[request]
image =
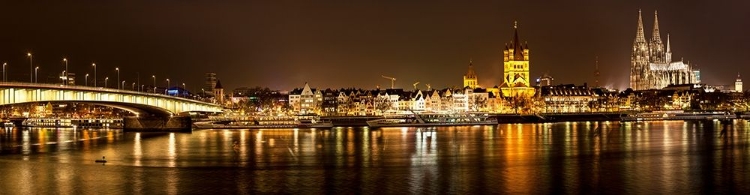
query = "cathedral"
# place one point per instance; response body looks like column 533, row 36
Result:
column 516, row 69
column 651, row 65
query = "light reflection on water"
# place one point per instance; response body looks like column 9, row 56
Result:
column 661, row 157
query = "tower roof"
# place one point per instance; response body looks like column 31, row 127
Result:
column 656, row 37
column 516, row 44
column 640, row 37
column 218, row 85
column 470, row 73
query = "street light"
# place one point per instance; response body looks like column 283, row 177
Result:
column 133, row 86
column 142, row 87
column 166, row 92
column 36, row 71
column 63, row 78
column 105, row 81
column 87, row 79
column 118, row 76
column 31, row 60
column 154, row 76
column 204, row 92
column 66, row 71
column 4, row 64
column 94, row 65
column 122, row 85
column 183, row 88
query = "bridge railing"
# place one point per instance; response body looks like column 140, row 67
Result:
column 96, row 89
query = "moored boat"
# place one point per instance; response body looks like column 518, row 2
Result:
column 266, row 122
column 677, row 115
column 433, row 119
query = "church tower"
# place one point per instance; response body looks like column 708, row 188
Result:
column 738, row 83
column 470, row 79
column 516, row 68
column 639, row 59
column 219, row 92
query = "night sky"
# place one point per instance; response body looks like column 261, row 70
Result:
column 282, row 44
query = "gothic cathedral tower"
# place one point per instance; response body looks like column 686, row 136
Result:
column 639, row 68
column 470, row 79
column 516, row 68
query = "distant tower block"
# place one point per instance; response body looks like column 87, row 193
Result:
column 210, row 82
column 470, row 79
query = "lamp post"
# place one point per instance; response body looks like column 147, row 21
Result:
column 142, row 87
column 87, row 80
column 118, row 76
column 36, row 77
column 166, row 92
column 63, row 78
column 31, row 62
column 183, row 88
column 122, row 85
column 105, row 81
column 4, row 64
column 66, row 71
column 204, row 92
column 133, row 86
column 154, row 76
column 94, row 65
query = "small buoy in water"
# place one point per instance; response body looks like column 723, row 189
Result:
column 101, row 160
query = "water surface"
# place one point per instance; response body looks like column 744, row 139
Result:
column 570, row 157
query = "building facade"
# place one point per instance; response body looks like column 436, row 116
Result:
column 516, row 69
column 651, row 65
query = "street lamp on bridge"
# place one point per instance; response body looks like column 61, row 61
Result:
column 66, row 71
column 122, row 85
column 4, row 64
column 94, row 65
column 36, row 75
column 31, row 60
column 105, row 81
column 183, row 89
column 166, row 92
column 154, row 76
column 118, row 76
column 87, row 79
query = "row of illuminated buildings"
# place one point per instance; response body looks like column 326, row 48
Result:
column 657, row 83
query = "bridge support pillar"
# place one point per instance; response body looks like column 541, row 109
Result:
column 175, row 123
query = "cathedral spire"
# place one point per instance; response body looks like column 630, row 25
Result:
column 640, row 37
column 669, row 47
column 656, row 37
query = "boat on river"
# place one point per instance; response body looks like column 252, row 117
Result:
column 74, row 122
column 678, row 115
column 265, row 122
column 434, row 119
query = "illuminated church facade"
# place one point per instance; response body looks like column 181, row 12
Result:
column 651, row 65
column 516, row 69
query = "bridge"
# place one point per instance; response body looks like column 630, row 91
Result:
column 140, row 103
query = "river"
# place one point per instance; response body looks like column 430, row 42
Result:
column 665, row 157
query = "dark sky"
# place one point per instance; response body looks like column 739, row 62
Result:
column 282, row 44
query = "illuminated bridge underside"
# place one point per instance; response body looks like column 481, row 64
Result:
column 136, row 102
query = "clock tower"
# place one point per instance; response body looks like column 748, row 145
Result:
column 516, row 68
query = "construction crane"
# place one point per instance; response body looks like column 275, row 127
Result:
column 415, row 85
column 390, row 78
column 428, row 86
